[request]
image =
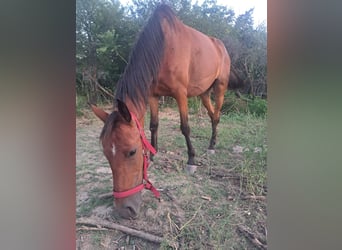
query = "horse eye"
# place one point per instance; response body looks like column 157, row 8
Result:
column 131, row 153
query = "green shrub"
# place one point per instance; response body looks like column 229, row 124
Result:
column 258, row 106
column 233, row 104
column 194, row 104
column 81, row 103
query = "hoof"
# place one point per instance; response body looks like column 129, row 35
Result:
column 211, row 151
column 190, row 169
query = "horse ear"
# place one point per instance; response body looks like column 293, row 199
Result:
column 103, row 115
column 123, row 110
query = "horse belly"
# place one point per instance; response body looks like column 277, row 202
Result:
column 204, row 69
column 199, row 86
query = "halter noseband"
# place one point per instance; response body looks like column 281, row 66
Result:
column 147, row 184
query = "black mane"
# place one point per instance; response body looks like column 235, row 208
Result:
column 145, row 59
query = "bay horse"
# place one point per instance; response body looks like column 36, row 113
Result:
column 168, row 59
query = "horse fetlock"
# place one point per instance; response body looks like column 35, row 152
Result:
column 154, row 127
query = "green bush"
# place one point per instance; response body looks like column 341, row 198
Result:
column 233, row 104
column 81, row 103
column 258, row 106
column 194, row 104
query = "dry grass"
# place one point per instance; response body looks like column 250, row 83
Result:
column 202, row 211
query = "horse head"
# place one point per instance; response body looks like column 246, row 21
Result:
column 123, row 149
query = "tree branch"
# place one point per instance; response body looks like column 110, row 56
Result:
column 254, row 197
column 107, row 224
column 100, row 86
column 106, row 195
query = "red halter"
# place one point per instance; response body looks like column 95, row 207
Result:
column 147, row 185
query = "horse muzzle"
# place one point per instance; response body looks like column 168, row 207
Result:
column 129, row 207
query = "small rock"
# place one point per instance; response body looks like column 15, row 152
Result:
column 211, row 151
column 82, row 197
column 190, row 169
column 149, row 212
column 238, row 149
column 257, row 150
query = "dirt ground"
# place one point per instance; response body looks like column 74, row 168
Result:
column 212, row 209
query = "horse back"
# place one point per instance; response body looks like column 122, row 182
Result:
column 192, row 61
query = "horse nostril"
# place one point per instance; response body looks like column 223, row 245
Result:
column 129, row 207
column 131, row 212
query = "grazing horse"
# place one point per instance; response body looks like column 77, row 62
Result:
column 168, row 59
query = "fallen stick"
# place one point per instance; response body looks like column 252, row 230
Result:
column 102, row 223
column 208, row 198
column 252, row 238
column 106, row 195
column 84, row 228
column 254, row 197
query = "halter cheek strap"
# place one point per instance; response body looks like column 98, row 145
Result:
column 146, row 183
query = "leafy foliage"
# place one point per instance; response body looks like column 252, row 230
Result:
column 232, row 104
column 99, row 26
column 106, row 32
column 81, row 103
column 253, row 105
column 258, row 107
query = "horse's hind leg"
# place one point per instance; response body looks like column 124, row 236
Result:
column 207, row 104
column 220, row 88
column 154, row 121
column 214, row 113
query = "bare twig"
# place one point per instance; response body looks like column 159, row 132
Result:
column 254, row 197
column 84, row 228
column 104, row 90
column 106, row 195
column 208, row 198
column 172, row 223
column 103, row 223
column 173, row 241
column 193, row 217
column 251, row 237
column 101, row 88
column 121, row 57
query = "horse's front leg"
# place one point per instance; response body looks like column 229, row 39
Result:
column 182, row 102
column 154, row 102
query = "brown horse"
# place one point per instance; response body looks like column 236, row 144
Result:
column 168, row 59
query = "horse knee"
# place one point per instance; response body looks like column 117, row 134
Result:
column 154, row 126
column 185, row 130
column 154, row 136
